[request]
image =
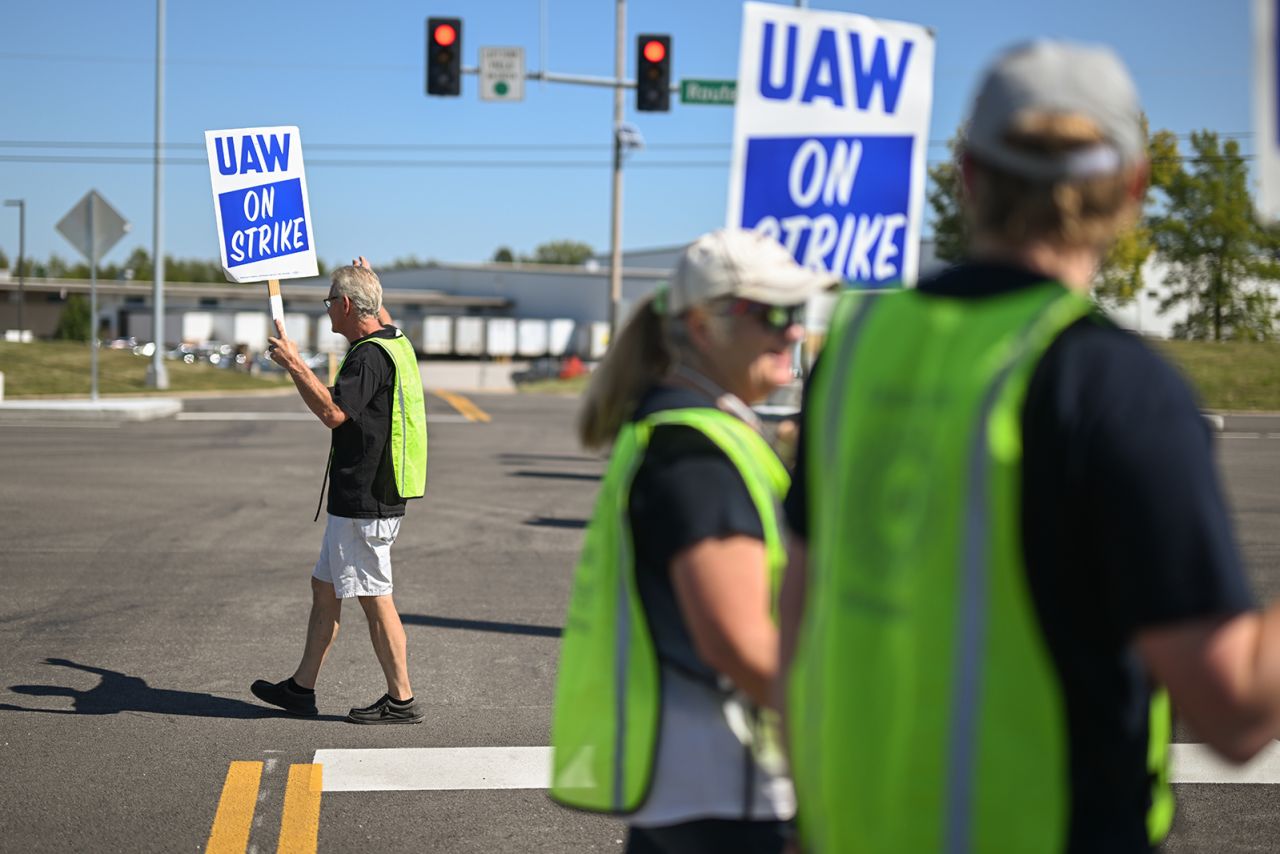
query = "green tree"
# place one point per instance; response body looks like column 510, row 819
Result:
column 408, row 262
column 1221, row 259
column 568, row 252
column 503, row 255
column 74, row 322
column 139, row 261
column 1119, row 277
column 950, row 231
column 4, row 260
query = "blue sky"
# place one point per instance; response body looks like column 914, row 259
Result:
column 351, row 77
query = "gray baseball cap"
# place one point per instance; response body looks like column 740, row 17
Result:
column 734, row 262
column 1057, row 78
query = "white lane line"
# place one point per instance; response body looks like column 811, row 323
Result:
column 1196, row 763
column 245, row 416
column 75, row 425
column 410, row 769
column 443, row 418
column 1239, row 435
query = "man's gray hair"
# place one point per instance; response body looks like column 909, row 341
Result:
column 361, row 286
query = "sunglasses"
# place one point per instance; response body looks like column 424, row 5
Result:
column 775, row 318
column 328, row 301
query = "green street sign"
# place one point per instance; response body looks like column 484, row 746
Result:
column 708, row 91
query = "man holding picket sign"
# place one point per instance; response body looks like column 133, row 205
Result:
column 378, row 449
column 378, row 460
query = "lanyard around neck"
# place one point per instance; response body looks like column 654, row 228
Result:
column 724, row 400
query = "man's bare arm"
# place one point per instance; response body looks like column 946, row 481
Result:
column 284, row 352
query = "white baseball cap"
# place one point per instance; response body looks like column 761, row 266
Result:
column 1057, row 78
column 734, row 262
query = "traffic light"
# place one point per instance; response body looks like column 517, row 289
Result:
column 444, row 56
column 653, row 74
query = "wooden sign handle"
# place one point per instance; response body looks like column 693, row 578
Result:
column 277, row 303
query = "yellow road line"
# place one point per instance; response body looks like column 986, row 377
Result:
column 465, row 407
column 300, row 824
column 230, row 834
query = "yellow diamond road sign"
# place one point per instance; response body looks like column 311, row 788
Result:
column 502, row 74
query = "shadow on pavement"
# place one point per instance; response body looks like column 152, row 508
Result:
column 517, row 458
column 120, row 692
column 548, row 522
column 480, row 625
column 557, row 475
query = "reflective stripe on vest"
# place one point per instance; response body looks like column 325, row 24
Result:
column 915, row 414
column 607, row 705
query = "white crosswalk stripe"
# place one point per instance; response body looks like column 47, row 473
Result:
column 443, row 418
column 410, row 769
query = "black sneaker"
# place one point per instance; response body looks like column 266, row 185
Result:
column 387, row 711
column 280, row 694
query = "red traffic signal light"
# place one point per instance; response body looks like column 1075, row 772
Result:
column 444, row 35
column 653, row 73
column 444, row 56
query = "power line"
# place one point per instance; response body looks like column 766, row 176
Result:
column 1170, row 71
column 108, row 160
column 400, row 164
column 114, row 145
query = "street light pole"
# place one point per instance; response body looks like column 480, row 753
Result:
column 21, row 205
column 615, row 240
column 157, row 373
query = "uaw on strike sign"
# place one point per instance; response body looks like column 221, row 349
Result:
column 260, row 200
column 830, row 134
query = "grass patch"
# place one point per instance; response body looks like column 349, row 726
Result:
column 1230, row 375
column 62, row 368
column 573, row 386
column 1227, row 375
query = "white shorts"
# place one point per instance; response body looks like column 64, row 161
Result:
column 356, row 556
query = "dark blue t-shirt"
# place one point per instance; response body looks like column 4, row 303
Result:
column 685, row 490
column 1124, row 528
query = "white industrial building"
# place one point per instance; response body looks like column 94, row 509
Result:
column 464, row 310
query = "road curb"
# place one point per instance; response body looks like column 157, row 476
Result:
column 121, row 409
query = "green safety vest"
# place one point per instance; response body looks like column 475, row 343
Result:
column 408, row 444
column 926, row 714
column 605, row 722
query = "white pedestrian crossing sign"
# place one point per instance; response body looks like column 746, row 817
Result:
column 502, row 74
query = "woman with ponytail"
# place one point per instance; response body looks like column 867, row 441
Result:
column 670, row 646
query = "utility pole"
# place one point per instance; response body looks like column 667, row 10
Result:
column 21, row 205
column 623, row 137
column 615, row 236
column 157, row 373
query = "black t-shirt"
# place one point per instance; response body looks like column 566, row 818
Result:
column 362, row 482
column 1124, row 527
column 685, row 490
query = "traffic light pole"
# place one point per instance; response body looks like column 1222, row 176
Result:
column 615, row 236
column 618, row 84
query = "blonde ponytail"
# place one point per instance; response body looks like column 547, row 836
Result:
column 639, row 357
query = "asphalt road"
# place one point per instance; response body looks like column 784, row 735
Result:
column 152, row 571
